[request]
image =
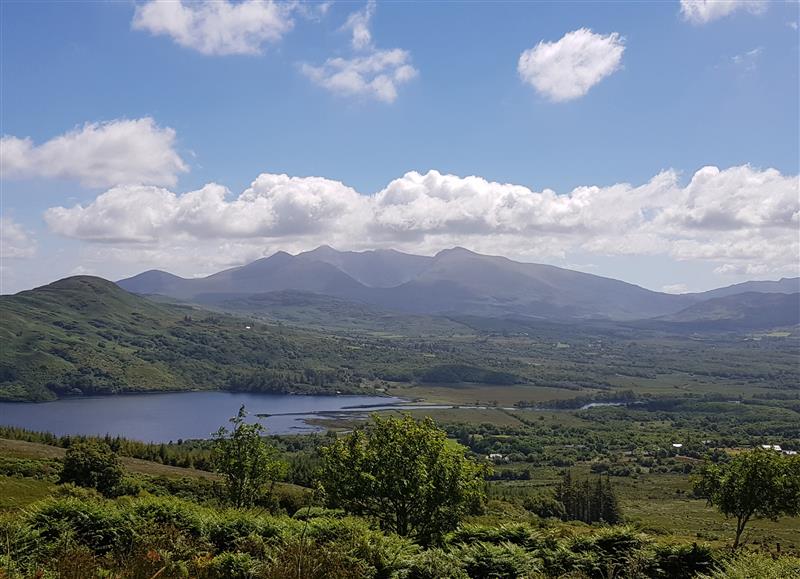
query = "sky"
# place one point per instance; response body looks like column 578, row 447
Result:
column 657, row 143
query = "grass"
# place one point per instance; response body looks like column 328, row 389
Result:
column 17, row 493
column 481, row 394
column 23, row 449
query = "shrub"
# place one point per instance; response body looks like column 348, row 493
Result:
column 485, row 561
column 755, row 565
column 94, row 465
column 99, row 526
column 234, row 566
column 433, row 564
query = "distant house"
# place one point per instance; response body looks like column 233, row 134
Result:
column 497, row 457
column 677, row 445
column 790, row 452
column 775, row 447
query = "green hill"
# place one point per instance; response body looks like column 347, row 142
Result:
column 84, row 335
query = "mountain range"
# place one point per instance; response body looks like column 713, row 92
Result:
column 459, row 282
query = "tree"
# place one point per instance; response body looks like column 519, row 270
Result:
column 406, row 474
column 583, row 502
column 92, row 464
column 759, row 483
column 249, row 465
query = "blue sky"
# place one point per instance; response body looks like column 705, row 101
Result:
column 711, row 87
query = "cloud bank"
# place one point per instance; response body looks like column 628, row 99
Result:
column 98, row 155
column 566, row 69
column 739, row 219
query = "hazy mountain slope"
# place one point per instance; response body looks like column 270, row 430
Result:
column 454, row 281
column 311, row 310
column 280, row 271
column 377, row 268
column 155, row 281
column 751, row 310
column 786, row 285
column 496, row 284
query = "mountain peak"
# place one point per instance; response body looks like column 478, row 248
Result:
column 457, row 250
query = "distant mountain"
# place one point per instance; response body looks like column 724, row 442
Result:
column 746, row 311
column 453, row 282
column 786, row 285
column 379, row 268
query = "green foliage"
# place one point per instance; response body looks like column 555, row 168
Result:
column 97, row 525
column 757, row 566
column 487, row 561
column 434, row 564
column 759, row 483
column 405, row 474
column 249, row 464
column 94, row 465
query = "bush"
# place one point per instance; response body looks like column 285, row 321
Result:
column 99, row 526
column 756, row 566
column 94, row 465
column 544, row 506
column 234, row 566
column 433, row 564
column 681, row 560
column 485, row 561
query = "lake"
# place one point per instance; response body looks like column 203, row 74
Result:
column 186, row 415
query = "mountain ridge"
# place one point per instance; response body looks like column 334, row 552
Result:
column 454, row 281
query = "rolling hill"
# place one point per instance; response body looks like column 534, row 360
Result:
column 84, row 335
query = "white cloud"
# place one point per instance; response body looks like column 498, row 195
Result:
column 15, row 241
column 98, row 154
column 677, row 288
column 374, row 73
column 217, row 27
column 704, row 11
column 741, row 216
column 566, row 69
column 377, row 75
column 358, row 24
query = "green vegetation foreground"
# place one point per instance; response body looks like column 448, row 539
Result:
column 395, row 498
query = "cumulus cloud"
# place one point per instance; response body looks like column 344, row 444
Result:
column 216, row 27
column 740, row 217
column 98, row 154
column 15, row 241
column 704, row 11
column 567, row 68
column 373, row 73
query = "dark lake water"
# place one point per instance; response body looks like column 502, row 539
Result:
column 165, row 417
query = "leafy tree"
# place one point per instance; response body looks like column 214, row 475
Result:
column 249, row 464
column 759, row 483
column 406, row 474
column 92, row 464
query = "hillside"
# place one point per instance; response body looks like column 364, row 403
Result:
column 454, row 281
column 785, row 285
column 751, row 310
column 84, row 335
